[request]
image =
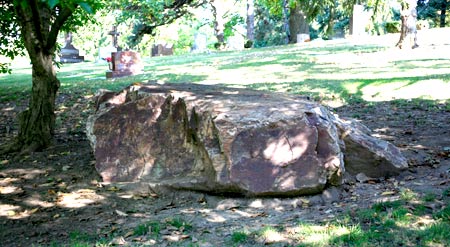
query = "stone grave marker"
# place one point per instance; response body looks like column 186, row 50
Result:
column 359, row 20
column 162, row 50
column 303, row 37
column 200, row 43
column 125, row 63
column 69, row 54
column 122, row 63
column 236, row 42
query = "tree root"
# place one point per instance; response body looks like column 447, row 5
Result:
column 19, row 149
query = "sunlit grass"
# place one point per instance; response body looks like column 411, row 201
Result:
column 339, row 73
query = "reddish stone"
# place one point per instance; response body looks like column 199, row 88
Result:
column 218, row 139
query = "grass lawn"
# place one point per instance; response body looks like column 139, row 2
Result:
column 335, row 72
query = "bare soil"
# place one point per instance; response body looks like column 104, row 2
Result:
column 55, row 197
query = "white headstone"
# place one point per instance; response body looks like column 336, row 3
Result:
column 236, row 42
column 200, row 42
column 303, row 37
column 361, row 18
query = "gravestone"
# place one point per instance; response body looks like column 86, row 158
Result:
column 114, row 34
column 125, row 63
column 162, row 50
column 200, row 43
column 359, row 20
column 122, row 63
column 303, row 37
column 105, row 53
column 236, row 42
column 69, row 54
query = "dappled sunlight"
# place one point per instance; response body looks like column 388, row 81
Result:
column 271, row 235
column 436, row 89
column 79, row 198
column 36, row 200
column 10, row 190
column 10, row 211
column 283, row 150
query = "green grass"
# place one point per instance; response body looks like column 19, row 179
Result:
column 404, row 222
column 239, row 237
column 337, row 72
column 180, row 224
column 151, row 227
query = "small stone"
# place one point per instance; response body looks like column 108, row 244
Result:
column 362, row 178
column 331, row 195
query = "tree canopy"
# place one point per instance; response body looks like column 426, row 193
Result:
column 146, row 16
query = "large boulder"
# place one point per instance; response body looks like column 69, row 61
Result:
column 217, row 139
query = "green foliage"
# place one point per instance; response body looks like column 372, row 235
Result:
column 239, row 237
column 268, row 28
column 11, row 44
column 148, row 227
column 444, row 214
column 234, row 21
column 392, row 26
column 432, row 9
column 146, row 16
column 180, row 223
column 64, row 15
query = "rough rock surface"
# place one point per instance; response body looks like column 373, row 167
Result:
column 218, row 139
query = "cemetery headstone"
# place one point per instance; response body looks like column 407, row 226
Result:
column 359, row 20
column 236, row 42
column 200, row 43
column 69, row 54
column 114, row 35
column 125, row 63
column 303, row 37
column 162, row 50
column 122, row 63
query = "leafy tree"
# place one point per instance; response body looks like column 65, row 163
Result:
column 147, row 16
column 428, row 9
column 34, row 25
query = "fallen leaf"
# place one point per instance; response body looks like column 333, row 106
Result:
column 128, row 234
column 388, row 193
column 34, row 210
column 118, row 241
column 120, row 213
column 113, row 189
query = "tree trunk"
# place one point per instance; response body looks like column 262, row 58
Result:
column 404, row 27
column 40, row 26
column 250, row 20
column 219, row 25
column 443, row 14
column 286, row 21
column 38, row 121
column 297, row 23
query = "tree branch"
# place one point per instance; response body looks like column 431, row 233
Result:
column 64, row 14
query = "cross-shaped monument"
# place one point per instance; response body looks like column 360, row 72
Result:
column 114, row 34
